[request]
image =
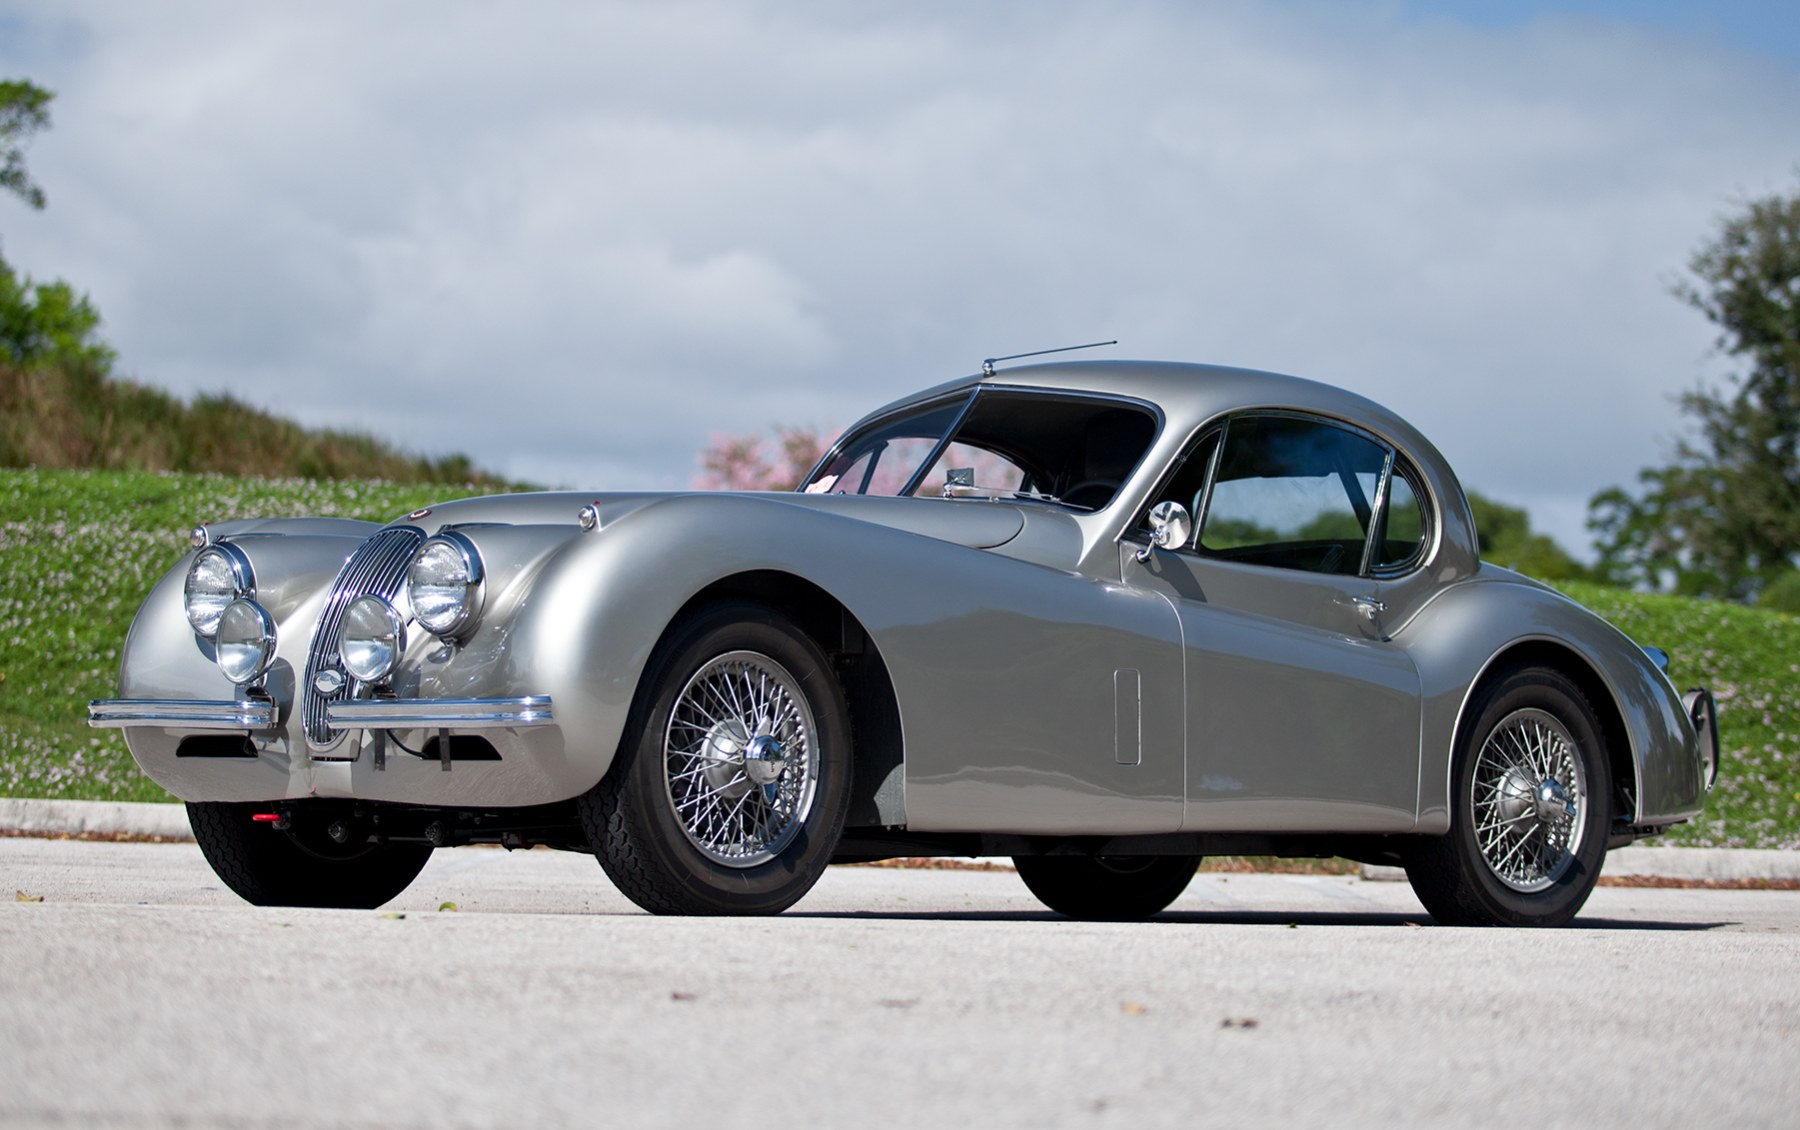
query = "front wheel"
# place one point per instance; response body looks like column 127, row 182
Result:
column 731, row 786
column 1107, row 887
column 269, row 866
column 1530, row 805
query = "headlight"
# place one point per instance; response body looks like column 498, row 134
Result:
column 219, row 575
column 246, row 642
column 372, row 639
column 443, row 584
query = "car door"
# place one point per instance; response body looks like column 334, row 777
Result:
column 1301, row 714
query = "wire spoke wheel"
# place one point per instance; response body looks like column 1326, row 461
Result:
column 1529, row 800
column 1532, row 801
column 732, row 782
column 739, row 759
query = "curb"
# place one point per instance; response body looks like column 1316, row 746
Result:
column 1637, row 861
column 140, row 821
column 123, row 819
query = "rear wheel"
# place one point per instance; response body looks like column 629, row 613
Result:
column 1107, row 887
column 1529, row 809
column 731, row 785
column 269, row 866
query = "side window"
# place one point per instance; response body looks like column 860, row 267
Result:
column 1403, row 532
column 1293, row 494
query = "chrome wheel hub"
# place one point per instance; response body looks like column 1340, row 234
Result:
column 740, row 759
column 1529, row 800
column 764, row 760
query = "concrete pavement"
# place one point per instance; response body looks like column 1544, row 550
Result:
column 123, row 820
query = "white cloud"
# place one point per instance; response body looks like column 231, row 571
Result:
column 573, row 240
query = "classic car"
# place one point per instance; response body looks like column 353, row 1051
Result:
column 1104, row 618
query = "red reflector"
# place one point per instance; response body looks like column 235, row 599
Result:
column 265, row 817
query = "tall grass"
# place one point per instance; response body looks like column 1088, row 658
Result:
column 76, row 416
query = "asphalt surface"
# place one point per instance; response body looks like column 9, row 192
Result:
column 139, row 992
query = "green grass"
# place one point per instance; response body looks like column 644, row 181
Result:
column 78, row 551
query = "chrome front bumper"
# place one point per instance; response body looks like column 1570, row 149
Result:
column 183, row 714
column 357, row 714
column 440, row 713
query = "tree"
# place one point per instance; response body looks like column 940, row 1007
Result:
column 1506, row 538
column 748, row 463
column 49, row 323
column 24, row 109
column 1724, row 518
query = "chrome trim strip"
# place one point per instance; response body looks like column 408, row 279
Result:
column 441, row 713
column 183, row 714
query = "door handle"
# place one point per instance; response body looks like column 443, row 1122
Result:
column 1369, row 606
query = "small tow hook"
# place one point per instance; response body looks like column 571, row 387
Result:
column 279, row 819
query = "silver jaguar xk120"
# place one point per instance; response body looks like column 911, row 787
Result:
column 1104, row 618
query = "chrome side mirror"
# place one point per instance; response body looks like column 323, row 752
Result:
column 1170, row 525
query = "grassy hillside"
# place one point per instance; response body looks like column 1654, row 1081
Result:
column 76, row 416
column 80, row 549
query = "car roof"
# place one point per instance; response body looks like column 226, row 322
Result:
column 1189, row 396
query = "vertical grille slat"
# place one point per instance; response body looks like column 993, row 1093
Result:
column 379, row 567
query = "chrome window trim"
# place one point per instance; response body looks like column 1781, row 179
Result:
column 1378, row 515
column 1428, row 525
column 937, row 450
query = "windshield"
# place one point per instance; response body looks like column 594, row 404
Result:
column 1076, row 450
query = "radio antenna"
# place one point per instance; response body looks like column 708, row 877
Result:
column 987, row 366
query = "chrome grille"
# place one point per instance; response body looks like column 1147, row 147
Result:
column 378, row 566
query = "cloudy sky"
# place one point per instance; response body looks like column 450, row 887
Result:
column 577, row 240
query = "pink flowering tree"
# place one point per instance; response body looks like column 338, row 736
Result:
column 755, row 462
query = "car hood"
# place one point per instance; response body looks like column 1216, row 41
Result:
column 976, row 523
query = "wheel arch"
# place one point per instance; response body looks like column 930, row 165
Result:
column 877, row 742
column 1559, row 657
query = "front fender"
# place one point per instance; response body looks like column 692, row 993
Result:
column 1472, row 627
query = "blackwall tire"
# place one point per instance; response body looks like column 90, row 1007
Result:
column 1107, row 888
column 731, row 785
column 1531, row 808
column 267, row 866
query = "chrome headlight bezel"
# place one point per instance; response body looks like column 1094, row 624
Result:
column 244, row 642
column 371, row 639
column 446, row 585
column 219, row 575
